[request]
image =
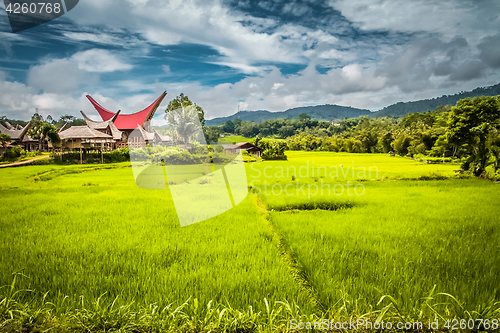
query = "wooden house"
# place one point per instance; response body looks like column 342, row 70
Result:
column 250, row 148
column 85, row 137
column 231, row 149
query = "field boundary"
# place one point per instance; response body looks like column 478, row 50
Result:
column 54, row 173
column 21, row 163
column 298, row 273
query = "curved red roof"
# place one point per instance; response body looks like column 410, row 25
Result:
column 128, row 121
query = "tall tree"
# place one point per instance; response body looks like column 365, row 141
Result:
column 71, row 120
column 237, row 125
column 303, row 117
column 4, row 139
column 211, row 134
column 184, row 101
column 471, row 122
column 228, row 126
column 41, row 130
column 494, row 144
column 184, row 121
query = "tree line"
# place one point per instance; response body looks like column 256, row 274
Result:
column 468, row 131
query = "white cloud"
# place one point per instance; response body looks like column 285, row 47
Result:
column 209, row 23
column 490, row 50
column 468, row 18
column 20, row 101
column 98, row 60
column 103, row 38
column 67, row 75
column 246, row 69
column 166, row 69
column 450, row 46
column 58, row 76
column 275, row 92
column 296, row 9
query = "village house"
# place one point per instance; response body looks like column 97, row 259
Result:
column 115, row 131
column 250, row 148
column 242, row 146
column 20, row 138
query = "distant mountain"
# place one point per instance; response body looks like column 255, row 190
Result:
column 402, row 109
column 321, row 112
column 331, row 112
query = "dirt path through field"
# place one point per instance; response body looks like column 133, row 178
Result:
column 297, row 271
column 21, row 163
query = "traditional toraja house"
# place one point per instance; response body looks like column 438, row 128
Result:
column 127, row 123
column 78, row 137
column 161, row 140
column 118, row 129
column 115, row 130
column 20, row 138
column 85, row 138
column 108, row 127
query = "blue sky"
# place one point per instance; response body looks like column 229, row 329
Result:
column 254, row 55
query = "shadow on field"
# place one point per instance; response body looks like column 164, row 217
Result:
column 332, row 206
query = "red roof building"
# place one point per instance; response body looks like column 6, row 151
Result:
column 129, row 121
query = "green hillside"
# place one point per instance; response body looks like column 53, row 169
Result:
column 402, row 109
column 332, row 112
column 320, row 112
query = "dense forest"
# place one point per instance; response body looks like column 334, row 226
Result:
column 468, row 131
column 71, row 120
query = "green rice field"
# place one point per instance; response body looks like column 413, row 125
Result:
column 233, row 138
column 323, row 234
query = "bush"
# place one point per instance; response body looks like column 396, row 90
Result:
column 433, row 176
column 43, row 161
column 269, row 157
column 222, row 158
column 247, row 157
column 428, row 159
column 14, row 153
column 178, row 156
column 169, row 155
column 118, row 155
column 174, row 156
column 272, row 149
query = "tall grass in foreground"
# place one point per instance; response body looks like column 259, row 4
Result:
column 99, row 254
column 96, row 233
column 403, row 239
column 114, row 315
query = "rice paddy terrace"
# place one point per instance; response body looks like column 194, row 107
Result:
column 322, row 235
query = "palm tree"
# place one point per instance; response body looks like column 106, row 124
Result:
column 185, row 122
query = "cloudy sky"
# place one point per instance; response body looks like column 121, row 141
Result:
column 270, row 55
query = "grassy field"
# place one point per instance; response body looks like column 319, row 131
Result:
column 328, row 233
column 233, row 139
column 96, row 232
column 401, row 239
